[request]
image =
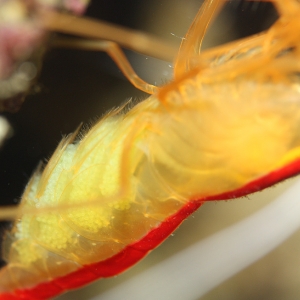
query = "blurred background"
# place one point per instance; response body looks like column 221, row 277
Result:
column 77, row 86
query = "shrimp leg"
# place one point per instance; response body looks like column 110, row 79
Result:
column 286, row 8
column 116, row 54
column 89, row 28
column 191, row 43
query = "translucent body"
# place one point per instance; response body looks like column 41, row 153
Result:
column 159, row 180
column 211, row 131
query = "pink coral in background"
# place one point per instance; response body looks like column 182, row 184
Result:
column 21, row 37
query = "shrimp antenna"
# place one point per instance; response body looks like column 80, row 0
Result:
column 191, row 44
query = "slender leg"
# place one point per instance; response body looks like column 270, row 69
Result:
column 100, row 30
column 191, row 44
column 286, row 7
column 117, row 55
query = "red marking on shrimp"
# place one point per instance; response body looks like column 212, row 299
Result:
column 261, row 183
column 109, row 267
column 136, row 251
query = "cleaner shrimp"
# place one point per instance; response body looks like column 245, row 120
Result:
column 148, row 168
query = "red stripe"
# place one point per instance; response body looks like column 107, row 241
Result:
column 261, row 183
column 110, row 267
column 135, row 252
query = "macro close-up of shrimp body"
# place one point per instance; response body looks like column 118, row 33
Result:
column 225, row 126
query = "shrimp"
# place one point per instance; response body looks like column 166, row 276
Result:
column 139, row 183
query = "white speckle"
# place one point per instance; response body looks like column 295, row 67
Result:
column 179, row 37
